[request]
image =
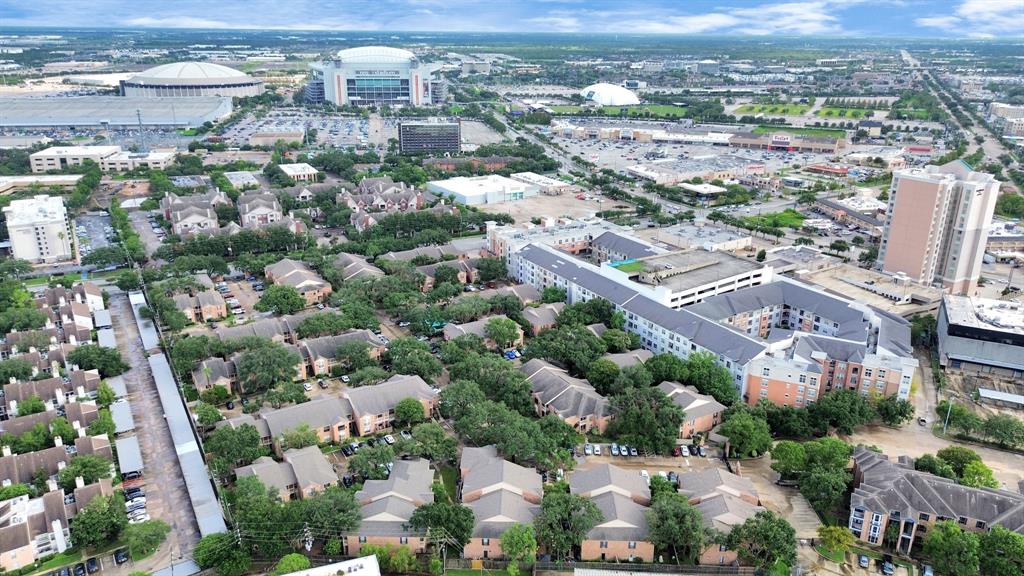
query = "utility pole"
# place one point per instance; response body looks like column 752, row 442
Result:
column 142, row 135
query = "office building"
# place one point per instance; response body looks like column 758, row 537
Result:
column 191, row 79
column 482, row 189
column 371, row 75
column 937, row 224
column 437, row 137
column 38, row 229
column 982, row 337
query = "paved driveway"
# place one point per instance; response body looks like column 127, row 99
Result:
column 166, row 496
column 145, row 230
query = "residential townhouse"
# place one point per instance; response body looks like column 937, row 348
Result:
column 329, row 416
column 543, row 317
column 373, row 407
column 22, row 468
column 205, row 306
column 573, row 400
column 436, row 253
column 479, row 328
column 500, row 494
column 258, row 209
column 466, row 268
column 212, row 372
column 321, row 354
column 300, row 276
column 353, row 266
column 303, row 473
column 34, row 528
column 84, row 292
column 54, row 392
column 629, row 358
column 386, row 506
column 78, row 414
column 893, row 493
column 524, row 293
column 189, row 214
column 622, row 497
column 702, row 411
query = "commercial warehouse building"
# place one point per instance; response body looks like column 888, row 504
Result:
column 111, row 112
column 982, row 336
column 709, row 167
column 438, row 137
column 482, row 189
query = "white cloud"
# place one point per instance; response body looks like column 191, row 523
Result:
column 797, row 18
column 556, row 24
column 979, row 18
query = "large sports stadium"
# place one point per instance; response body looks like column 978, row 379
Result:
column 187, row 79
column 378, row 75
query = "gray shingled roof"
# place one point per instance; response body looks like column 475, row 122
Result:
column 608, row 477
column 318, row 413
column 723, row 512
column 380, row 398
column 568, row 396
column 624, row 519
column 706, row 483
column 624, row 245
column 690, row 400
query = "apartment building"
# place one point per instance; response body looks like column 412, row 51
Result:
column 500, row 494
column 190, row 214
column 703, row 412
column 893, row 493
column 205, row 306
column 386, row 506
column 612, row 246
column 321, row 354
column 373, row 407
column 465, row 269
column 39, row 229
column 258, row 209
column 724, row 501
column 479, row 328
column 543, row 317
column 300, row 276
column 937, row 224
column 622, row 496
column 573, row 400
column 352, row 266
column 303, row 473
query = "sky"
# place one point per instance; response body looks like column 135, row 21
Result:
column 828, row 18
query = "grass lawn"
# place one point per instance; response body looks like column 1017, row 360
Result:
column 830, row 112
column 837, row 556
column 780, row 568
column 776, row 109
column 631, row 267
column 788, row 218
column 67, row 557
column 448, row 475
column 826, row 132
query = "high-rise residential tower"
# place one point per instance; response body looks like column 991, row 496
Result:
column 937, row 225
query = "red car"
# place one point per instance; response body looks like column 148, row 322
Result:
column 676, row 451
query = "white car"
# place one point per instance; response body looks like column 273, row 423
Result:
column 597, row 449
column 345, row 379
column 307, row 387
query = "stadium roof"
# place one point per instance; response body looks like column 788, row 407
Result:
column 114, row 111
column 191, row 73
column 609, row 95
column 375, row 54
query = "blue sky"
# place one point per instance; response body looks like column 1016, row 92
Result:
column 893, row 18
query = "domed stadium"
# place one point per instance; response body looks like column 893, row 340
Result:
column 376, row 55
column 186, row 79
column 609, row 95
column 374, row 75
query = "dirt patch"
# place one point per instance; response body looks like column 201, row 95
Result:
column 555, row 206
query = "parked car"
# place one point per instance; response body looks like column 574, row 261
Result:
column 80, row 569
column 588, row 450
column 307, row 386
column 345, row 379
column 92, row 565
column 121, row 555
column 405, row 434
column 597, row 449
column 927, row 570
column 632, row 451
column 703, row 453
column 676, row 451
column 389, row 439
column 321, row 383
column 888, row 569
column 694, row 451
column 347, row 450
column 615, row 449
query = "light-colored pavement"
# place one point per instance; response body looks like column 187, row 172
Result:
column 166, row 496
column 145, row 231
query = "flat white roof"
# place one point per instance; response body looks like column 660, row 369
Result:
column 477, row 185
column 36, row 210
column 300, row 169
column 538, row 179
column 101, row 151
column 703, row 189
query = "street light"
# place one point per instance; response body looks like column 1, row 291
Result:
column 949, row 410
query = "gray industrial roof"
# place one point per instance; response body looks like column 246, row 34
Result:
column 129, row 457
column 998, row 396
column 121, row 411
column 116, row 384
column 105, row 338
column 83, row 111
column 102, row 319
column 147, row 331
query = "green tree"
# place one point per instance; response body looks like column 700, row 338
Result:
column 824, row 488
column 563, row 522
column 60, row 426
column 128, row 280
column 952, row 549
column 552, row 294
column 144, row 538
column 17, row 368
column 763, row 540
column 843, row 410
column 332, row 512
column 105, row 395
column 932, row 465
column 221, row 552
column 299, row 437
column 748, row 436
column 674, row 525
column 101, row 521
column 1001, row 552
column 602, row 374
column 958, row 457
column 207, row 415
column 215, row 395
column 836, row 538
column 31, row 405
column 354, row 354
column 703, row 372
column 503, row 331
column 1004, row 429
column 91, row 356
column 646, row 418
column 456, row 398
column 976, row 474
column 572, row 346
column 290, row 563
column 410, row 356
column 90, row 468
column 894, row 411
column 518, row 544
column 281, row 300
column 664, row 367
column 371, row 461
column 261, row 369
column 789, row 459
column 409, row 411
column 233, row 447
column 491, row 269
column 616, row 340
column 103, row 425
column 455, row 520
column 429, row 440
